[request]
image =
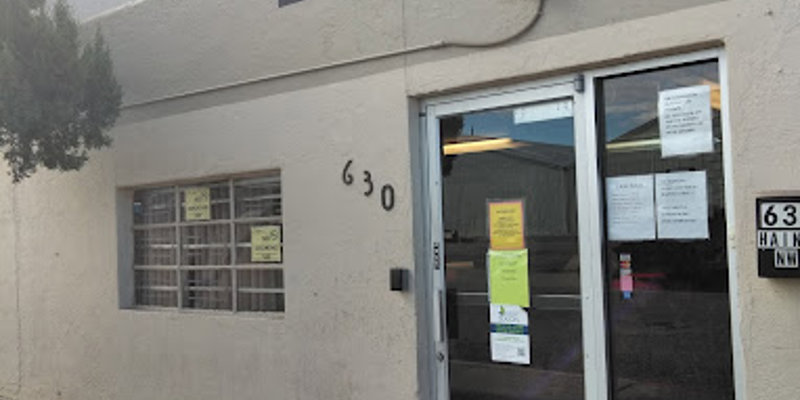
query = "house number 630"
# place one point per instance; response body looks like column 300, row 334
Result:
column 387, row 191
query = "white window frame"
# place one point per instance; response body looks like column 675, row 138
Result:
column 178, row 223
column 590, row 222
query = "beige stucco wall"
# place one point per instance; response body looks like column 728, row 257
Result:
column 241, row 40
column 342, row 325
column 9, row 349
column 765, row 78
column 67, row 322
column 344, row 334
column 334, row 341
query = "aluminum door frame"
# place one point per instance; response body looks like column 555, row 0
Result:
column 719, row 55
column 590, row 215
column 590, row 241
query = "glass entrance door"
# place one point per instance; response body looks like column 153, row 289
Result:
column 511, row 258
column 668, row 299
column 578, row 241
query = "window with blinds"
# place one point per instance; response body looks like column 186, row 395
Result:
column 213, row 245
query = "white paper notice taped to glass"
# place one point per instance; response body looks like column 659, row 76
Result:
column 682, row 205
column 630, row 208
column 684, row 121
column 543, row 112
column 509, row 338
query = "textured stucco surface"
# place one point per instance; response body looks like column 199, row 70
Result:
column 653, row 36
column 245, row 39
column 334, row 340
column 344, row 334
column 9, row 349
column 240, row 40
column 764, row 69
column 339, row 245
column 67, row 323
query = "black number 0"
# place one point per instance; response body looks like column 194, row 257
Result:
column 387, row 197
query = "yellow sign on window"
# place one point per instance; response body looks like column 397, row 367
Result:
column 265, row 242
column 197, row 203
column 508, row 277
column 506, row 225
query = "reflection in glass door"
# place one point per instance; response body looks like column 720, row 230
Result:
column 642, row 311
column 523, row 155
column 666, row 270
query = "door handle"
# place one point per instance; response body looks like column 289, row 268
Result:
column 442, row 320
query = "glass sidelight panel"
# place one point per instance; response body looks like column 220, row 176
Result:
column 518, row 153
column 666, row 261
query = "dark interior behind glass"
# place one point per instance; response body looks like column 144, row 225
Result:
column 533, row 161
column 671, row 338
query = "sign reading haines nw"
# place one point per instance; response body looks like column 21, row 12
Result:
column 778, row 236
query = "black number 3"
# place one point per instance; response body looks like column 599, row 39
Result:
column 368, row 181
column 791, row 212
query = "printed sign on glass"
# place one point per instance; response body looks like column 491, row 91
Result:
column 630, row 208
column 506, row 225
column 509, row 337
column 508, row 277
column 265, row 244
column 684, row 121
column 682, row 205
column 197, row 203
column 543, row 112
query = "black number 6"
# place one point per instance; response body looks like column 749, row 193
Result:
column 387, row 197
column 347, row 177
column 770, row 218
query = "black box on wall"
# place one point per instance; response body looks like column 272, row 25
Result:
column 778, row 237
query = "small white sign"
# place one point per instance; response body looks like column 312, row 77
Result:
column 682, row 205
column 543, row 112
column 507, row 314
column 777, row 239
column 630, row 211
column 509, row 339
column 779, row 214
column 684, row 121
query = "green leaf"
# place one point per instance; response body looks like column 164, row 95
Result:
column 58, row 99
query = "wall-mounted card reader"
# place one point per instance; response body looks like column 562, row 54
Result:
column 778, row 236
column 399, row 280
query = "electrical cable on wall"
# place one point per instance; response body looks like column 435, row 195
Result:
column 534, row 17
column 531, row 22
